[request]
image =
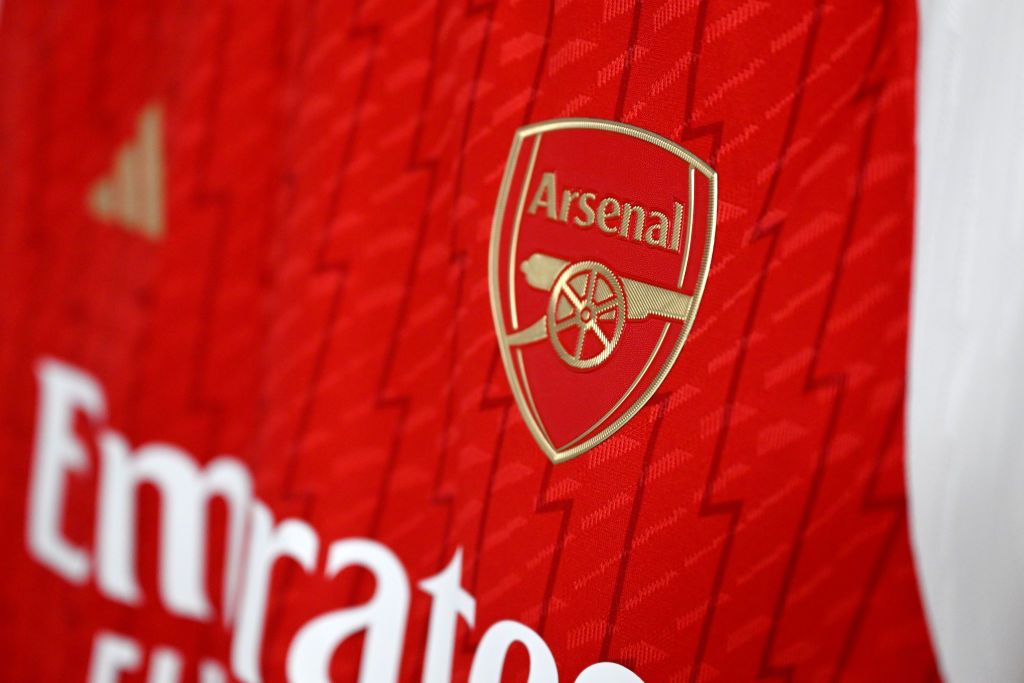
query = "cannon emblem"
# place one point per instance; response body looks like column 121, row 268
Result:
column 587, row 298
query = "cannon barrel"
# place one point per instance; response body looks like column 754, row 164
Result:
column 642, row 299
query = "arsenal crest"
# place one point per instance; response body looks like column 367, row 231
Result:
column 600, row 251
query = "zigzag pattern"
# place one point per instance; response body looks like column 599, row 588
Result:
column 732, row 508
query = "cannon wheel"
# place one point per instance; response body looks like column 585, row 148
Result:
column 584, row 293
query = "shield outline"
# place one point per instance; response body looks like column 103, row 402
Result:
column 522, row 399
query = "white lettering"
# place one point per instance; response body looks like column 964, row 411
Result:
column 185, row 493
column 607, row 672
column 450, row 601
column 489, row 661
column 63, row 391
column 164, row 666
column 112, row 655
column 292, row 538
column 212, row 672
column 254, row 544
column 383, row 618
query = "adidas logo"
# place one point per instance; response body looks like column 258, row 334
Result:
column 131, row 193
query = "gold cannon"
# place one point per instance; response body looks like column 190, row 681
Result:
column 585, row 294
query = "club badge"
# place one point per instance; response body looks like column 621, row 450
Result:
column 600, row 251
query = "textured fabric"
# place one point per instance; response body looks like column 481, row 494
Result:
column 313, row 301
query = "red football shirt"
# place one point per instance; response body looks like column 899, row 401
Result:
column 266, row 415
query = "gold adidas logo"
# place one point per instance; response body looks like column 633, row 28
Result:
column 131, row 193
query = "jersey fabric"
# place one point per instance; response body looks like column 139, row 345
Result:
column 255, row 236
